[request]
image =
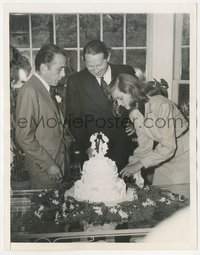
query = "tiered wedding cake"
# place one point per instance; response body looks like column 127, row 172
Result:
column 100, row 181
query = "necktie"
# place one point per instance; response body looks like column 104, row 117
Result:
column 53, row 92
column 105, row 87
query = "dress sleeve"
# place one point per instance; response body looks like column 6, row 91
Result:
column 164, row 127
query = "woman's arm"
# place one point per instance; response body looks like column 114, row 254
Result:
column 164, row 128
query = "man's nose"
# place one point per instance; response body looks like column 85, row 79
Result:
column 96, row 69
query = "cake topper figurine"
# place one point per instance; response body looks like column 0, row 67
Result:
column 99, row 144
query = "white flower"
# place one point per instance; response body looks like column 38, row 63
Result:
column 148, row 202
column 64, row 207
column 64, row 215
column 56, row 216
column 96, row 207
column 172, row 197
column 168, row 202
column 56, row 193
column 58, row 98
column 71, row 207
column 163, row 199
column 55, row 202
column 40, row 195
column 98, row 210
column 181, row 198
column 39, row 215
column 113, row 210
column 123, row 214
column 41, row 208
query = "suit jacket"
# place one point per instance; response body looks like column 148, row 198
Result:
column 40, row 133
column 89, row 110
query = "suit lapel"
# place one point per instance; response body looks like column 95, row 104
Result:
column 41, row 88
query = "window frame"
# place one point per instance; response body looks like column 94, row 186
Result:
column 78, row 49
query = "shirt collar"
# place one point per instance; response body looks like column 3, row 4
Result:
column 106, row 76
column 43, row 81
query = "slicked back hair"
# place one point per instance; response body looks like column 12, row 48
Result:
column 46, row 54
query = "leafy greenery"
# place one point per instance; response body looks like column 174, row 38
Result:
column 152, row 205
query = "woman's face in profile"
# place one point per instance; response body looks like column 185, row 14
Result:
column 123, row 99
column 23, row 76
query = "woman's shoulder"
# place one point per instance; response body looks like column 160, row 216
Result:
column 134, row 114
column 160, row 104
column 159, row 100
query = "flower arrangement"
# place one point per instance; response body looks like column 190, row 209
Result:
column 185, row 110
column 153, row 205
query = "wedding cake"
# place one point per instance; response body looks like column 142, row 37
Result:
column 100, row 181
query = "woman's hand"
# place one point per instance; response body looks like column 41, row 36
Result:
column 90, row 152
column 130, row 130
column 131, row 169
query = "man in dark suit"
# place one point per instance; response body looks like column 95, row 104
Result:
column 90, row 108
column 39, row 122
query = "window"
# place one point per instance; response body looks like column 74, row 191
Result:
column 124, row 34
column 181, row 60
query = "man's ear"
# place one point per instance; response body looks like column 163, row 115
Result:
column 109, row 54
column 43, row 68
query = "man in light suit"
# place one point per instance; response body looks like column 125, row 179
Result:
column 39, row 123
column 89, row 108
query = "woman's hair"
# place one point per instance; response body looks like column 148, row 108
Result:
column 153, row 88
column 17, row 62
column 129, row 84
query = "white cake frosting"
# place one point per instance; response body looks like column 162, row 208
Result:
column 100, row 181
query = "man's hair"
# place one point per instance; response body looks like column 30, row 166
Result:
column 95, row 47
column 17, row 62
column 46, row 54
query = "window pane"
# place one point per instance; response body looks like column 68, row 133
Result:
column 136, row 58
column 33, row 59
column 136, row 25
column 19, row 30
column 71, row 61
column 66, row 30
column 185, row 64
column 116, row 57
column 89, row 28
column 42, row 30
column 113, row 30
column 186, row 29
column 82, row 62
column 183, row 100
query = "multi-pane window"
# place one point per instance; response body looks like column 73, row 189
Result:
column 124, row 34
column 185, row 55
column 181, row 77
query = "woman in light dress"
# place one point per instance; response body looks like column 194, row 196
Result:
column 157, row 120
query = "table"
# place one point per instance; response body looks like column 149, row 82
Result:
column 21, row 205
